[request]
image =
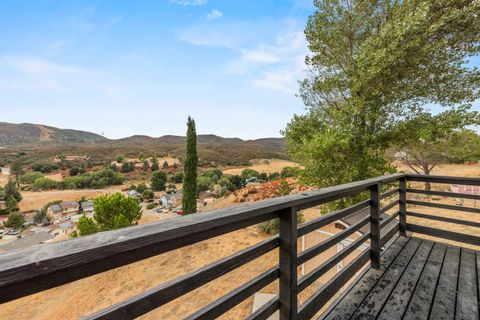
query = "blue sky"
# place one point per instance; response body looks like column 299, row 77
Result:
column 141, row 67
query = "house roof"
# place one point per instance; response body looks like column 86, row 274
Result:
column 69, row 204
column 56, row 208
column 66, row 225
column 356, row 217
column 86, row 204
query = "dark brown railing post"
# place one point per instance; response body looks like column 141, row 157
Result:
column 403, row 206
column 288, row 264
column 375, row 226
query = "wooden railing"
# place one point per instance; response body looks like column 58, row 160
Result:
column 28, row 271
column 444, row 234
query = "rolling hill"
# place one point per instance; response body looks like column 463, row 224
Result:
column 27, row 134
column 43, row 142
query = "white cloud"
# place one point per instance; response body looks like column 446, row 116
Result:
column 190, row 2
column 35, row 67
column 20, row 73
column 214, row 14
column 275, row 66
column 266, row 58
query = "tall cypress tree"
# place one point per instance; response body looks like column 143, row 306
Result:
column 189, row 199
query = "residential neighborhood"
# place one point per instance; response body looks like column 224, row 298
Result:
column 65, row 215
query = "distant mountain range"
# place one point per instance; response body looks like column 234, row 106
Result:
column 210, row 147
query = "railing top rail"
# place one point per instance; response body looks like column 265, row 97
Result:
column 78, row 258
column 443, row 179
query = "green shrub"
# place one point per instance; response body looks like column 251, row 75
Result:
column 30, row 177
column 204, row 184
column 214, row 174
column 150, row 206
column 15, row 220
column 148, row 194
column 158, row 180
column 288, row 172
column 249, row 173
column 44, row 184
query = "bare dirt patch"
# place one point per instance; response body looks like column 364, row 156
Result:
column 457, row 170
column 35, row 200
column 3, row 179
column 55, row 176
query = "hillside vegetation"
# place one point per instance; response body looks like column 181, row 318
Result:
column 43, row 142
column 26, row 134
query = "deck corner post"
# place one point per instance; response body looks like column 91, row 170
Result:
column 403, row 206
column 375, row 226
column 288, row 264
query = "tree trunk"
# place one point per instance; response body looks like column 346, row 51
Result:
column 426, row 171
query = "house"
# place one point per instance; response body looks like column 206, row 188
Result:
column 168, row 200
column 70, row 207
column 87, row 206
column 55, row 210
column 64, row 228
column 67, row 208
column 171, row 200
column 29, row 218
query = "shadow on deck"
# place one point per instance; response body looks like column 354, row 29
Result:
column 417, row 279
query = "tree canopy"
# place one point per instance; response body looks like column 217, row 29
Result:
column 116, row 211
column 373, row 65
column 429, row 139
column 158, row 180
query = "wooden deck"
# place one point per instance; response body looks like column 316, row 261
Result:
column 417, row 279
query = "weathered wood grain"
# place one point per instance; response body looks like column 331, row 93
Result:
column 446, row 293
column 421, row 301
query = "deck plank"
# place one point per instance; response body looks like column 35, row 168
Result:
column 419, row 306
column 398, row 301
column 467, row 301
column 346, row 307
column 418, row 279
column 444, row 302
column 373, row 303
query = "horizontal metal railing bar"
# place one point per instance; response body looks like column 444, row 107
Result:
column 444, row 219
column 389, row 193
column 330, row 263
column 38, row 268
column 318, row 299
column 443, row 206
column 313, row 225
column 444, row 194
column 389, row 206
column 265, row 311
column 324, row 245
column 227, row 302
column 158, row 296
column 445, row 234
column 443, row 179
